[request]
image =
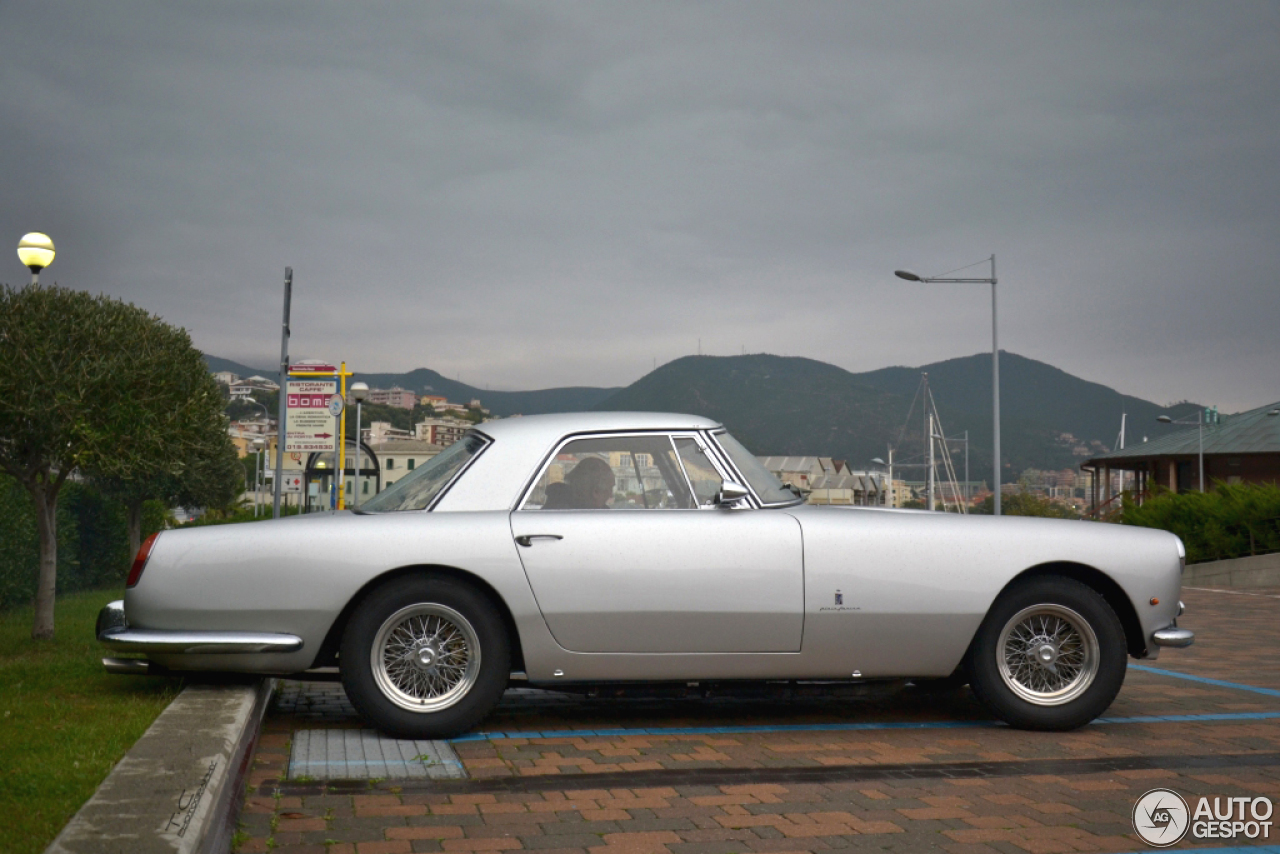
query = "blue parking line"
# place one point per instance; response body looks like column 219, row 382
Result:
column 884, row 725
column 848, row 727
column 1270, row 692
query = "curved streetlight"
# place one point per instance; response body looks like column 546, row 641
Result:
column 876, row 461
column 360, row 393
column 35, row 250
column 1165, row 419
column 995, row 361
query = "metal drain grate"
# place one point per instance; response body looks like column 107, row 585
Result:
column 362, row 754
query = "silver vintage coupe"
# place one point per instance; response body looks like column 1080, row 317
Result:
column 571, row 551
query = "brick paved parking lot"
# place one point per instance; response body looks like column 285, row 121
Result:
column 899, row 769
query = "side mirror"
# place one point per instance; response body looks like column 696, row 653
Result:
column 730, row 493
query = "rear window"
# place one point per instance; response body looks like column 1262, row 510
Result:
column 416, row 491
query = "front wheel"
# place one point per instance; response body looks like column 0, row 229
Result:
column 1050, row 655
column 425, row 658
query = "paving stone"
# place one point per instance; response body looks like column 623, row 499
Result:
column 594, row 789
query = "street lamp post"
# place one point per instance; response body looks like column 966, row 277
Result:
column 1165, row 419
column 889, row 465
column 257, row 475
column 359, row 391
column 259, row 468
column 995, row 360
column 35, row 250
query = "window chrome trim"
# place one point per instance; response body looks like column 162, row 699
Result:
column 523, row 497
column 709, row 450
column 742, row 479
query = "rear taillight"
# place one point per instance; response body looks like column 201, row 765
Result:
column 140, row 561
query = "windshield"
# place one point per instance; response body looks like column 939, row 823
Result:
column 416, row 491
column 759, row 478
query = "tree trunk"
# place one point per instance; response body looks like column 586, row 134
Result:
column 135, row 527
column 46, row 501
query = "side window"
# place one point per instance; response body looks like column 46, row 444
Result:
column 612, row 473
column 702, row 474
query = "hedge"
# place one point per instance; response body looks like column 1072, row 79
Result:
column 93, row 540
column 1232, row 520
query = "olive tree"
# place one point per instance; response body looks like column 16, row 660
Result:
column 99, row 386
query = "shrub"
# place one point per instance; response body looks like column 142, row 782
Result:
column 1026, row 504
column 1232, row 520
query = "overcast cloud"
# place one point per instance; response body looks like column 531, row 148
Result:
column 537, row 194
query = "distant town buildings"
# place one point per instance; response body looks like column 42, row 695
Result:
column 398, row 397
column 239, row 388
column 441, row 431
column 824, row 480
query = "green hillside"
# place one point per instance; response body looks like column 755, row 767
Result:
column 1031, row 392
column 773, row 404
column 787, row 405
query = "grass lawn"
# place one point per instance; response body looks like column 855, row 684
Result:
column 64, row 721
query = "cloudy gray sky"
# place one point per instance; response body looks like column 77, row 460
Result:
column 535, row 194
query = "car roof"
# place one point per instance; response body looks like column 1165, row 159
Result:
column 542, row 429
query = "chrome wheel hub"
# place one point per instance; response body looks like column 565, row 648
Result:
column 1047, row 654
column 425, row 657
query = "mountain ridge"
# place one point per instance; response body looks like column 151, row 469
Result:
column 795, row 405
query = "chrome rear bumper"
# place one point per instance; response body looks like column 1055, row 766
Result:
column 114, row 633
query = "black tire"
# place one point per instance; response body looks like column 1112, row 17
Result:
column 1050, row 655
column 425, row 657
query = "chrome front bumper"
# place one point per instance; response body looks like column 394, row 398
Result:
column 114, row 633
column 1174, row 636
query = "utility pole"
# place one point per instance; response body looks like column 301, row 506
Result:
column 284, row 385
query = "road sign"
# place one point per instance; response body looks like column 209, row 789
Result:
column 317, row 368
column 309, row 425
column 291, row 483
column 336, row 403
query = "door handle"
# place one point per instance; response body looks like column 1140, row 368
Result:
column 527, row 539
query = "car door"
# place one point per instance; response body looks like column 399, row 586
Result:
column 626, row 551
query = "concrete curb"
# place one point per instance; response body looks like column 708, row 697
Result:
column 1236, row 574
column 180, row 787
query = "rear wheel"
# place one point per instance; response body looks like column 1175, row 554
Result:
column 425, row 658
column 1050, row 655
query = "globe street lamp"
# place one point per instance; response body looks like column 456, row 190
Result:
column 1165, row 419
column 360, row 392
column 995, row 360
column 35, row 250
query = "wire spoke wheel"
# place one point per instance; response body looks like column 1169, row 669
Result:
column 425, row 657
column 1047, row 654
